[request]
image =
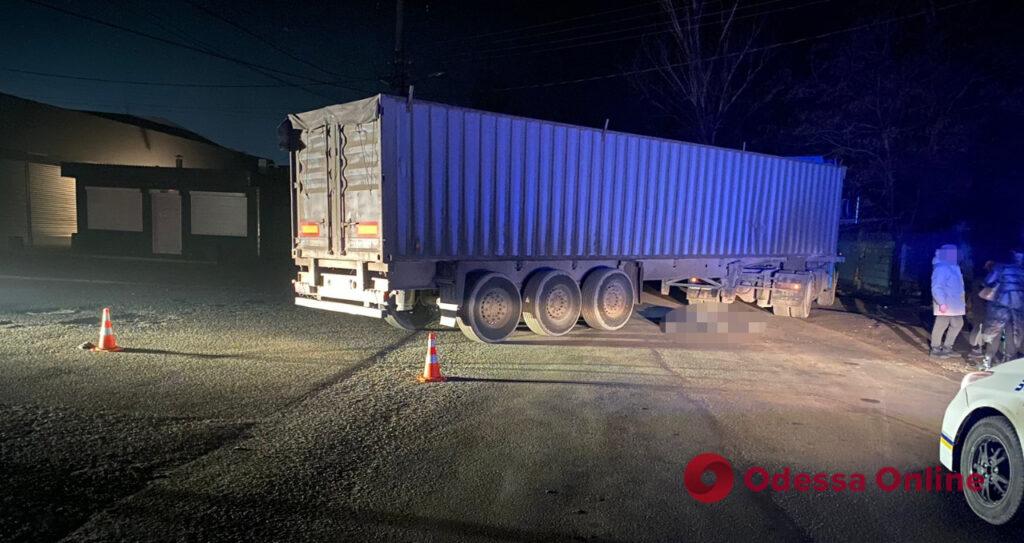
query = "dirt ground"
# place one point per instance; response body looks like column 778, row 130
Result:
column 235, row 416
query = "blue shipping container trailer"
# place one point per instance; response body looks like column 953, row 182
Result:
column 402, row 209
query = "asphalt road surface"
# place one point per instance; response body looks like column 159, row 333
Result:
column 235, row 416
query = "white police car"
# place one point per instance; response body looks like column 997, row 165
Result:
column 981, row 433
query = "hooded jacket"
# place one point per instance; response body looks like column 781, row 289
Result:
column 947, row 289
column 1008, row 281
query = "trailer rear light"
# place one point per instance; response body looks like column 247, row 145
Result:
column 367, row 230
column 309, row 230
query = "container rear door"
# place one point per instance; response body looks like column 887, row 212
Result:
column 361, row 170
column 317, row 195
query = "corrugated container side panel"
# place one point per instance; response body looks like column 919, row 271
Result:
column 656, row 201
column 709, row 170
column 570, row 203
column 750, row 185
column 737, row 226
column 454, row 219
column 728, row 211
column 487, row 184
column 643, row 186
column 666, row 219
column 597, row 216
column 780, row 171
column 517, row 139
column 528, row 181
column 469, row 184
column 436, row 142
column 687, row 204
column 393, row 184
column 501, row 174
column 581, row 226
column 609, row 215
column 545, row 165
column 711, row 204
column 820, row 210
column 755, row 234
column 812, row 215
column 627, row 229
column 797, row 199
column 771, row 210
column 733, row 208
column 559, row 188
column 419, row 159
column 779, row 190
column 648, row 242
column 835, row 193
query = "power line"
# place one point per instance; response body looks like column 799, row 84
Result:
column 265, row 70
column 631, row 36
column 186, row 38
column 621, row 20
column 166, row 84
column 752, row 50
column 234, row 110
column 262, row 39
column 542, row 25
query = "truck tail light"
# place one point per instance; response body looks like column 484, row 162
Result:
column 367, row 230
column 309, row 230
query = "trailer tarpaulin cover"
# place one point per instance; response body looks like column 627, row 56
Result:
column 359, row 112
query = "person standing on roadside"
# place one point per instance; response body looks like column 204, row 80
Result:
column 1005, row 311
column 948, row 302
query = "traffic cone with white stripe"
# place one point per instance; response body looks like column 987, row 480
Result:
column 432, row 368
column 108, row 343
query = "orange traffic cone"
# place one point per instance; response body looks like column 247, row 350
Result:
column 108, row 343
column 431, row 369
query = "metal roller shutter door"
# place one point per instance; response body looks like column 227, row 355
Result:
column 219, row 214
column 54, row 211
column 13, row 203
column 114, row 209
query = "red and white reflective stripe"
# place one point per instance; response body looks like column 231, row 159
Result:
column 431, row 348
column 309, row 229
column 367, row 230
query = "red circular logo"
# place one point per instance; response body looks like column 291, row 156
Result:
column 719, row 467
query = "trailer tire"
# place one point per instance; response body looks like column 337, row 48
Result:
column 552, row 302
column 608, row 299
column 421, row 315
column 800, row 311
column 828, row 296
column 492, row 309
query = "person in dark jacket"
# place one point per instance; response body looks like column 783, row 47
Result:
column 1005, row 313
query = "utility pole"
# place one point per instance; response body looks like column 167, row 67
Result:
column 400, row 80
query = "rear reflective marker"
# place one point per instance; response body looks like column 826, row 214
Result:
column 309, row 229
column 367, row 230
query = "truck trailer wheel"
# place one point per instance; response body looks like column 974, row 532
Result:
column 492, row 309
column 551, row 303
column 800, row 311
column 607, row 299
column 828, row 296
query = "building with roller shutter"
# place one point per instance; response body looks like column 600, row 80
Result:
column 122, row 184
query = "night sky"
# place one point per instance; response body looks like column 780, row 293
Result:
column 504, row 57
